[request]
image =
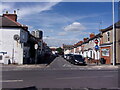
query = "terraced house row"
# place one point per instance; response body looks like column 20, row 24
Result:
column 98, row 46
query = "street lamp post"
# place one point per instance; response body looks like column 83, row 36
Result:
column 114, row 34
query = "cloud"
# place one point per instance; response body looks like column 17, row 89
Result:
column 51, row 41
column 75, row 26
column 62, row 33
column 25, row 10
column 6, row 7
column 29, row 10
column 52, row 23
column 30, row 27
column 51, row 19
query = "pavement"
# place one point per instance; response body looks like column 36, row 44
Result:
column 59, row 63
column 22, row 67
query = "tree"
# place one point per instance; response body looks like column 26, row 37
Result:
column 60, row 51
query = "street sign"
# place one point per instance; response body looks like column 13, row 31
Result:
column 96, row 47
column 36, row 46
column 96, row 41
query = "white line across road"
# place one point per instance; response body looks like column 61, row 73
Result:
column 5, row 81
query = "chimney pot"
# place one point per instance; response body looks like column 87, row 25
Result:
column 14, row 11
column 81, row 42
column 6, row 12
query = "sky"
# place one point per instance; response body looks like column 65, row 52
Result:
column 63, row 22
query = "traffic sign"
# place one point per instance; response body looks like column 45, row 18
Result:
column 96, row 41
column 96, row 47
column 36, row 46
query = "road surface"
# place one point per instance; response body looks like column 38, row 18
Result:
column 57, row 76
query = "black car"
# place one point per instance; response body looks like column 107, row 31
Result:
column 77, row 60
column 67, row 56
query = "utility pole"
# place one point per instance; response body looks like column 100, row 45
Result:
column 114, row 34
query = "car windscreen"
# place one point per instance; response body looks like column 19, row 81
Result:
column 69, row 54
column 78, row 57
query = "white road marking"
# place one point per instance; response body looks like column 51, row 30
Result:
column 11, row 81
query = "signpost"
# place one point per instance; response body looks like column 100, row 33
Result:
column 96, row 41
column 96, row 48
column 36, row 46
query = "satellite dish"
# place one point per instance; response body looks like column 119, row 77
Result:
column 16, row 37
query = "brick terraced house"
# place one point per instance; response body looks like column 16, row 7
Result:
column 106, row 45
column 87, row 47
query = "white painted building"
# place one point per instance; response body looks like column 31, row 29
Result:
column 67, row 49
column 86, row 48
column 12, row 38
column 67, row 52
column 89, row 47
column 54, row 50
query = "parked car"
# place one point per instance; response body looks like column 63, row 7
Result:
column 56, row 55
column 66, row 56
column 77, row 60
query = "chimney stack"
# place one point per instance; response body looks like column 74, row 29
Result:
column 85, row 39
column 81, row 42
column 92, row 35
column 11, row 16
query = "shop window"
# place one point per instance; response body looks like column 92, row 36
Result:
column 105, row 52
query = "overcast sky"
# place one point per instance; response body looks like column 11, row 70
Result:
column 63, row 22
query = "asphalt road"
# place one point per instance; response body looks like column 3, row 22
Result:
column 50, row 77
